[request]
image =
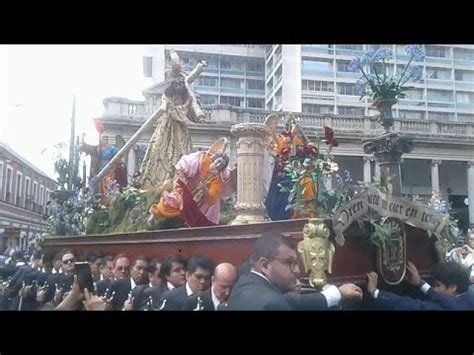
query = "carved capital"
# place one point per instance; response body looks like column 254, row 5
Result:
column 436, row 162
column 470, row 164
column 389, row 147
column 368, row 158
column 249, row 129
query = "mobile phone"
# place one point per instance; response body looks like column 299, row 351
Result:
column 84, row 276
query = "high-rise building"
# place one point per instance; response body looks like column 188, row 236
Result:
column 317, row 78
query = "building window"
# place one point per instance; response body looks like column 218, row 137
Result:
column 411, row 115
column 208, row 99
column 343, row 66
column 438, row 73
column 255, row 67
column 9, row 185
column 347, row 89
column 440, row 95
column 230, row 83
column 314, row 85
column 27, row 192
column 231, row 100
column 464, row 75
column 207, row 81
column 414, row 94
column 314, row 108
column 231, row 64
column 41, row 198
column 463, row 54
column 437, row 52
column 255, row 84
column 34, row 195
column 255, row 103
column 352, row 47
column 316, row 66
column 18, row 194
column 465, row 97
column 351, row 111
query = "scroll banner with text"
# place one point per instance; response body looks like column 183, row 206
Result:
column 409, row 212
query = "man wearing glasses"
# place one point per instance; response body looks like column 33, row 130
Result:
column 65, row 279
column 124, row 286
column 120, row 269
column 274, row 276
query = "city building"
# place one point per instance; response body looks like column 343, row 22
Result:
column 24, row 192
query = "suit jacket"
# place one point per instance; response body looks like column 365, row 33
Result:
column 52, row 280
column 253, row 292
column 139, row 299
column 433, row 301
column 102, row 286
column 174, row 300
column 122, row 288
column 152, row 294
column 206, row 303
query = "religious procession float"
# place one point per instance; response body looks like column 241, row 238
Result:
column 193, row 203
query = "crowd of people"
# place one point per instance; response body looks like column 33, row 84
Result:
column 268, row 280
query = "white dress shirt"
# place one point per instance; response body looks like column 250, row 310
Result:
column 170, row 285
column 189, row 292
column 215, row 300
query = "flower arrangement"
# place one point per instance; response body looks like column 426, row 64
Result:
column 377, row 84
column 305, row 167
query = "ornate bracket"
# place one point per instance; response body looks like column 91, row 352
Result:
column 316, row 251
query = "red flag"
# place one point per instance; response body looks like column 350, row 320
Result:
column 191, row 213
column 99, row 126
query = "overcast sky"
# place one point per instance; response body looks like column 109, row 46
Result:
column 37, row 87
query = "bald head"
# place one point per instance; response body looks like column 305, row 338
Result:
column 225, row 276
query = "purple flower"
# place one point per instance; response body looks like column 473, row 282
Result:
column 415, row 72
column 384, row 53
column 355, row 64
column 416, row 51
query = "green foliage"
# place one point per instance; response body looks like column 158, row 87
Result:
column 382, row 234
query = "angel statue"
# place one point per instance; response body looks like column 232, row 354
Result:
column 100, row 155
column 201, row 180
column 171, row 139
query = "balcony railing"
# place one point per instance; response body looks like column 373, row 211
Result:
column 361, row 125
column 324, row 50
column 306, row 70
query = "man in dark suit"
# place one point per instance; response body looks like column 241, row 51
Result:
column 143, row 294
column 449, row 291
column 173, row 272
column 274, row 275
column 106, row 275
column 198, row 280
column 124, row 286
column 224, row 278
